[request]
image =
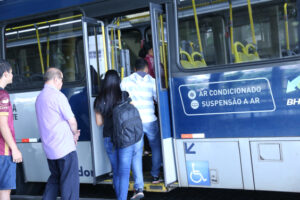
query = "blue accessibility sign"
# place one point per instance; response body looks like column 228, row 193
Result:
column 198, row 172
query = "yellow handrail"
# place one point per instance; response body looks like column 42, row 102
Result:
column 231, row 26
column 197, row 26
column 119, row 35
column 40, row 49
column 286, row 23
column 163, row 50
column 48, row 51
column 251, row 22
column 203, row 4
column 112, row 48
column 133, row 18
column 122, row 73
column 41, row 23
column 192, row 46
column 120, row 47
column 104, row 47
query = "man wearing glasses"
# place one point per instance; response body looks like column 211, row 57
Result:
column 59, row 135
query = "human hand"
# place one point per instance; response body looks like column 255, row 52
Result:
column 76, row 136
column 17, row 156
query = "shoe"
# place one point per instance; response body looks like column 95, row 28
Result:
column 155, row 180
column 138, row 194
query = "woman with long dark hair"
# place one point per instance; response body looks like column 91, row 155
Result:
column 120, row 158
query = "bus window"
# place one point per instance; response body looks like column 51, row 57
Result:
column 131, row 40
column 212, row 41
column 163, row 54
column 289, row 26
column 31, row 50
column 206, row 37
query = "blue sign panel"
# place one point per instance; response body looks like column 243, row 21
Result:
column 224, row 97
column 260, row 102
column 198, row 172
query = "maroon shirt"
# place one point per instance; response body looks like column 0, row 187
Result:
column 150, row 61
column 6, row 109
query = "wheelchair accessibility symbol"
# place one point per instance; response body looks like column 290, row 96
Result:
column 198, row 172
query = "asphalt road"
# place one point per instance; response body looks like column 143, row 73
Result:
column 101, row 192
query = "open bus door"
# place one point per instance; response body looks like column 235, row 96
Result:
column 96, row 65
column 161, row 73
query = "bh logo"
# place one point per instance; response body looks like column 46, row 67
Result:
column 198, row 172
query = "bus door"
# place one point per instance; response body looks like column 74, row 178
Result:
column 159, row 30
column 96, row 65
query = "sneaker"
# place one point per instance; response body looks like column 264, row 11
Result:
column 155, row 180
column 138, row 194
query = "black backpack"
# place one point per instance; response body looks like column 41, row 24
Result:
column 127, row 123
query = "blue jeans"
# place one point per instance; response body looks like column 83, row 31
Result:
column 64, row 177
column 120, row 159
column 152, row 132
column 137, row 165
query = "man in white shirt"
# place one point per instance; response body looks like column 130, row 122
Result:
column 142, row 90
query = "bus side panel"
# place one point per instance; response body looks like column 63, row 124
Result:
column 275, row 165
column 209, row 163
column 35, row 162
column 256, row 111
column 263, row 102
column 25, row 123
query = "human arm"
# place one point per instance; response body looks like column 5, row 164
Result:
column 154, row 94
column 68, row 115
column 8, row 138
column 99, row 119
column 73, row 126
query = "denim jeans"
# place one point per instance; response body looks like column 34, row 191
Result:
column 120, row 159
column 152, row 132
column 137, row 165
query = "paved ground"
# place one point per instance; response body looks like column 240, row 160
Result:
column 19, row 197
column 106, row 193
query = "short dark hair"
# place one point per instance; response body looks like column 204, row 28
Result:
column 4, row 67
column 140, row 64
column 145, row 49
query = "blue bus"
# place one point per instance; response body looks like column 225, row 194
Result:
column 226, row 75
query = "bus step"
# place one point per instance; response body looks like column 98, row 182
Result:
column 148, row 186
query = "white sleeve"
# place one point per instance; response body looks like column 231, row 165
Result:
column 154, row 89
column 123, row 85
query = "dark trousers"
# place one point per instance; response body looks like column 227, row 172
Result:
column 64, row 177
